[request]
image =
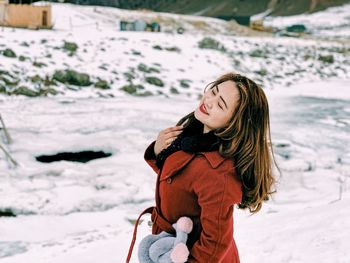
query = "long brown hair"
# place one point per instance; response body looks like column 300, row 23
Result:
column 246, row 138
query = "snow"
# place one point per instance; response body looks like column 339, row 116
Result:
column 334, row 22
column 75, row 212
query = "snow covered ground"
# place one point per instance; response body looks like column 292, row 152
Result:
column 332, row 23
column 75, row 212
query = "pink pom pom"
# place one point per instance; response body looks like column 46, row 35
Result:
column 184, row 224
column 180, row 253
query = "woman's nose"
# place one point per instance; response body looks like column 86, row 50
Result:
column 208, row 102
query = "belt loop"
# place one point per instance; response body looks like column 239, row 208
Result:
column 155, row 215
column 162, row 223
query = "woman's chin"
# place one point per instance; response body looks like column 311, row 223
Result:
column 197, row 115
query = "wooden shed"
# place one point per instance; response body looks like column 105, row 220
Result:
column 25, row 14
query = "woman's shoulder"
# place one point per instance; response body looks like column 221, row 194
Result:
column 214, row 163
column 217, row 172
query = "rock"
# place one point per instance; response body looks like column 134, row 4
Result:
column 174, row 90
column 102, row 84
column 8, row 79
column 326, row 59
column 9, row 53
column 157, row 47
column 72, row 77
column 23, row 90
column 173, row 49
column 39, row 64
column 145, row 94
column 132, row 89
column 155, row 81
column 129, row 76
column 104, row 67
column 261, row 72
column 46, row 91
column 71, row 47
column 258, row 53
column 60, row 76
column 22, row 58
column 36, row 79
column 184, row 83
column 24, row 44
column 2, row 89
column 144, row 68
column 49, row 81
column 135, row 52
column 211, row 43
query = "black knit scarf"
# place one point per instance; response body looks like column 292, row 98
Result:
column 191, row 140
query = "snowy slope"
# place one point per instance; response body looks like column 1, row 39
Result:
column 105, row 53
column 332, row 23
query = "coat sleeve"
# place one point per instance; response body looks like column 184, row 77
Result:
column 216, row 199
column 150, row 157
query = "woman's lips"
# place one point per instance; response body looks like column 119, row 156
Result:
column 202, row 109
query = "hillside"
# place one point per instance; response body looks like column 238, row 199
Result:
column 86, row 44
column 221, row 7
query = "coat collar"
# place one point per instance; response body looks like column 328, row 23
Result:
column 180, row 159
column 214, row 158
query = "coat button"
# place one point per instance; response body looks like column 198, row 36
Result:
column 169, row 180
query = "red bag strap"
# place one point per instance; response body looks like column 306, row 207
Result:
column 147, row 210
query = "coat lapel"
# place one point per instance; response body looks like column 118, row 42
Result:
column 178, row 160
column 175, row 162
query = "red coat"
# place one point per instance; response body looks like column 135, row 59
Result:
column 204, row 187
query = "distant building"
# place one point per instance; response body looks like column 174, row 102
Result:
column 25, row 15
column 155, row 27
column 127, row 26
column 139, row 25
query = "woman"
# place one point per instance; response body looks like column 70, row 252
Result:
column 215, row 157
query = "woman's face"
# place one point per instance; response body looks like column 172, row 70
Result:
column 217, row 105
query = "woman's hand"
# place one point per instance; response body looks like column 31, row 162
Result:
column 166, row 137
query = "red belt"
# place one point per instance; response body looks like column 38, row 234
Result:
column 156, row 219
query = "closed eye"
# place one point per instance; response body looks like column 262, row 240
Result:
column 218, row 103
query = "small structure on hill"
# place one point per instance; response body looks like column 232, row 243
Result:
column 259, row 26
column 22, row 13
column 127, row 26
column 139, row 25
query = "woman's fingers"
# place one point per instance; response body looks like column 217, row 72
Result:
column 173, row 130
column 166, row 137
column 172, row 134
